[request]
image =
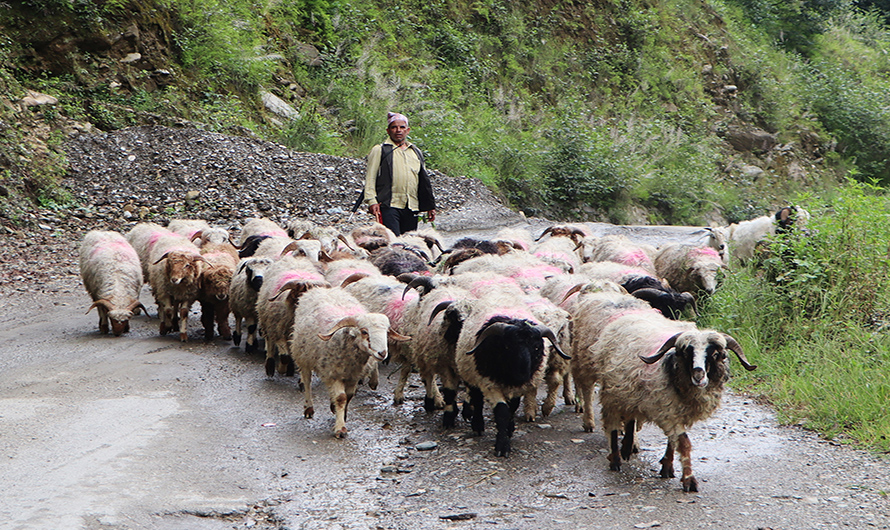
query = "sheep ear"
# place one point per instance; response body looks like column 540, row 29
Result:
column 396, row 336
column 345, row 323
column 493, row 330
column 548, row 334
column 661, row 351
column 734, row 345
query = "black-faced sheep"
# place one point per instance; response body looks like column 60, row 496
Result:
column 641, row 284
column 275, row 310
column 112, row 276
column 243, row 294
column 334, row 336
column 666, row 372
column 174, row 272
column 689, row 268
column 500, row 355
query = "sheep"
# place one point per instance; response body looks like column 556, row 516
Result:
column 744, row 236
column 641, row 284
column 372, row 237
column 275, row 246
column 199, row 229
column 393, row 260
column 519, row 238
column 174, row 272
column 243, row 292
column 143, row 238
column 216, row 280
column 574, row 232
column 529, row 271
column 716, row 239
column 689, row 268
column 260, row 226
column 420, row 239
column 335, row 272
column 666, row 372
column 327, row 236
column 276, row 313
column 618, row 249
column 559, row 252
column 335, row 337
column 500, row 355
column 112, row 276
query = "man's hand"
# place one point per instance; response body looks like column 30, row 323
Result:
column 431, row 215
column 375, row 211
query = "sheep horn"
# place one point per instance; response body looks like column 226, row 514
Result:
column 354, row 278
column 344, row 323
column 661, row 351
column 491, row 330
column 396, row 336
column 345, row 241
column 300, row 286
column 419, row 281
column 575, row 288
column 439, row 308
column 548, row 334
column 324, row 257
column 162, row 258
column 577, row 232
column 549, row 229
column 579, row 245
column 734, row 345
column 101, row 302
column 135, row 304
column 291, row 247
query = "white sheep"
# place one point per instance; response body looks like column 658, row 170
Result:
column 744, row 236
column 335, row 272
column 689, row 268
column 558, row 251
column 334, row 336
column 112, row 276
column 275, row 246
column 275, row 311
column 243, row 293
column 652, row 369
column 529, row 271
column 618, row 249
column 199, row 229
column 260, row 226
column 174, row 272
column 143, row 238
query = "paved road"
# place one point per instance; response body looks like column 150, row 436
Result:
column 142, row 431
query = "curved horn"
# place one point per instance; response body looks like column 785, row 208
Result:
column 136, row 303
column 420, row 281
column 549, row 229
column 396, row 336
column 491, row 330
column 197, row 235
column 291, row 247
column 306, row 235
column 344, row 323
column 577, row 232
column 439, row 308
column 354, row 278
column 324, row 257
column 162, row 258
column 300, row 286
column 101, row 302
column 548, row 334
column 578, row 245
column 575, row 288
column 734, row 345
column 345, row 241
column 661, row 351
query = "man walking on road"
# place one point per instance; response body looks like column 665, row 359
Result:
column 397, row 186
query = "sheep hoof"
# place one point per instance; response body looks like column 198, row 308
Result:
column 308, row 412
column 429, row 404
column 236, row 338
column 289, row 368
column 341, row 433
column 502, row 446
column 588, row 428
column 183, row 337
column 398, row 401
column 666, row 472
column 530, row 418
column 270, row 366
column 579, row 407
column 689, row 484
column 546, row 410
column 449, row 419
column 227, row 336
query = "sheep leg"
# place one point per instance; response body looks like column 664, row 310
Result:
column 514, row 405
column 685, row 447
column 585, row 389
column 236, row 335
column 568, row 390
column 339, row 399
column 207, row 319
column 667, row 461
column 251, row 344
column 222, row 320
column 627, row 444
column 449, row 389
column 503, row 418
column 373, row 372
column 183, row 322
column 270, row 360
column 614, row 456
column 530, row 404
column 308, row 408
column 476, row 402
column 553, row 380
column 398, row 395
column 103, row 320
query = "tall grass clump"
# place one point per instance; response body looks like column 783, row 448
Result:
column 814, row 314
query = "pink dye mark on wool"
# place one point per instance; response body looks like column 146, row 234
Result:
column 485, row 286
column 117, row 249
column 154, row 238
column 275, row 233
column 395, row 307
column 637, row 258
column 297, row 275
column 706, row 252
column 646, row 311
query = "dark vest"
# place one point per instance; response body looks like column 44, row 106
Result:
column 425, row 199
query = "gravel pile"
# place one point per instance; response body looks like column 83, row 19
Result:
column 156, row 173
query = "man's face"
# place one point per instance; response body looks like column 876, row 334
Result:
column 398, row 131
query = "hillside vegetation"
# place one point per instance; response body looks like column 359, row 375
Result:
column 629, row 111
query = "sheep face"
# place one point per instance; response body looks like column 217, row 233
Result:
column 369, row 332
column 215, row 282
column 120, row 321
column 511, row 355
column 698, row 359
column 705, row 275
column 182, row 267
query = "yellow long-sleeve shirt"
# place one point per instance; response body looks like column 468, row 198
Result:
column 405, row 168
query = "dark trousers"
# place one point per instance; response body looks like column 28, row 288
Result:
column 399, row 220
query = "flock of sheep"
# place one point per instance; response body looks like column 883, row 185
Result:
column 500, row 316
